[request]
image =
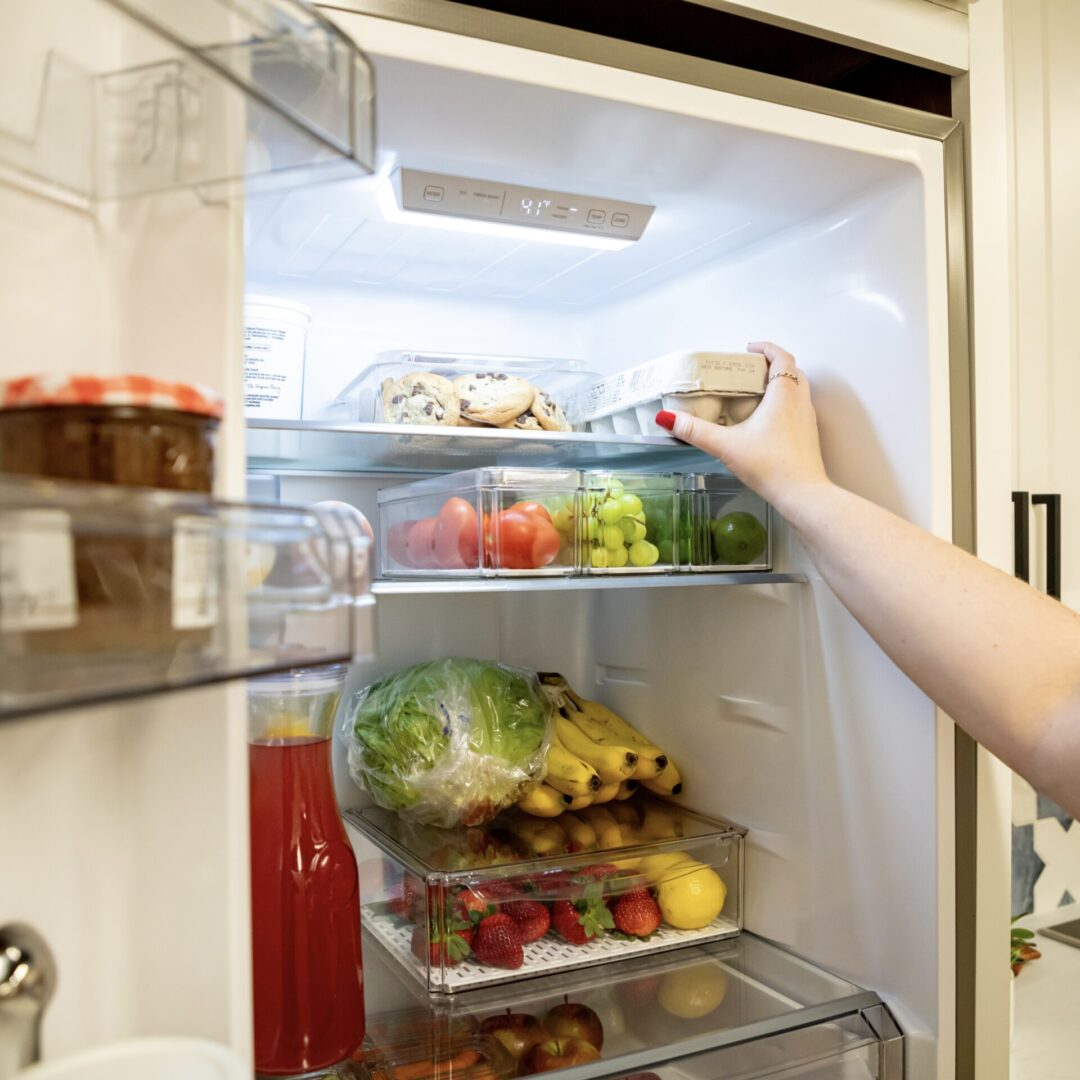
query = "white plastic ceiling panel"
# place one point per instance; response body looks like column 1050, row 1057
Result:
column 716, row 188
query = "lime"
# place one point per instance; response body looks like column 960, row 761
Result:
column 738, row 538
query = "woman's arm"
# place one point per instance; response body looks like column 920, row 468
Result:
column 1000, row 658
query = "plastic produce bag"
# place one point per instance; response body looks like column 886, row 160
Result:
column 450, row 742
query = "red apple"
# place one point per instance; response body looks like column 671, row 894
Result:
column 572, row 1021
column 560, row 1054
column 518, row 1032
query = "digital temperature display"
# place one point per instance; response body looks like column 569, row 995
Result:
column 486, row 200
column 535, row 208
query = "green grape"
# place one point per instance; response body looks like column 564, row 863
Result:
column 592, row 528
column 640, row 516
column 615, row 488
column 684, row 551
column 612, row 537
column 598, row 558
column 611, row 512
column 562, row 519
column 666, row 550
column 619, row 557
column 644, row 554
column 631, row 505
column 632, row 530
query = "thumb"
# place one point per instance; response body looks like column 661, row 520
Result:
column 707, row 436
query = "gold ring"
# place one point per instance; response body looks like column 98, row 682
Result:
column 784, row 375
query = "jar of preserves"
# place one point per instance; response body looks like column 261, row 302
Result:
column 135, row 589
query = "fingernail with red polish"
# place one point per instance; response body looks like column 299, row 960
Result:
column 666, row 419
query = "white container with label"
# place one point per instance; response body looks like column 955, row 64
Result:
column 275, row 342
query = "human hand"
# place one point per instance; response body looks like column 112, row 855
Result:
column 776, row 450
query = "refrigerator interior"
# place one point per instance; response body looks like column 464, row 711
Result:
column 818, row 233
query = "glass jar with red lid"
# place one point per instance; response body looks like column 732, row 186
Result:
column 136, row 589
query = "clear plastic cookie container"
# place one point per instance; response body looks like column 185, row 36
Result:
column 724, row 526
column 626, row 878
column 362, row 401
column 630, row 523
column 489, row 522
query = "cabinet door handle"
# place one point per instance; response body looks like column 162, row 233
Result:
column 1021, row 556
column 1053, row 541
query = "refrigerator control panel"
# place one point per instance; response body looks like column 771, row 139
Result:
column 486, row 200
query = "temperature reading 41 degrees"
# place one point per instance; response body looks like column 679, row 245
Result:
column 535, row 207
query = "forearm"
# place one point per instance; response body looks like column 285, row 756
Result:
column 1000, row 658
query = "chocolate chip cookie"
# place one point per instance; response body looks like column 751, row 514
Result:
column 425, row 398
column 493, row 397
column 548, row 414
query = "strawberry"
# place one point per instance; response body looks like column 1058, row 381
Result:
column 497, row 942
column 600, row 871
column 447, row 943
column 532, row 918
column 442, row 948
column 410, row 902
column 636, row 913
column 481, row 900
column 580, row 920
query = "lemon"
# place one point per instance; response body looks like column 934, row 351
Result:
column 655, row 867
column 691, row 900
column 693, row 992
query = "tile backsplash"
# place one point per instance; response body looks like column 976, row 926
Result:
column 1045, row 852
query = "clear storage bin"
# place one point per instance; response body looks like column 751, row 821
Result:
column 364, row 400
column 723, row 525
column 426, row 890
column 482, row 523
column 630, row 523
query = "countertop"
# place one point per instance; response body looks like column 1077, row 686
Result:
column 1046, row 1035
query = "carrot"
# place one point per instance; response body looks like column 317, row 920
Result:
column 414, row 1070
column 459, row 1063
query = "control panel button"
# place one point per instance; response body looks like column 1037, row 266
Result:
column 620, row 221
column 433, row 193
column 596, row 217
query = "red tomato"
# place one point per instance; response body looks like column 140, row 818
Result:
column 522, row 541
column 420, row 545
column 397, row 537
column 533, row 508
column 457, row 545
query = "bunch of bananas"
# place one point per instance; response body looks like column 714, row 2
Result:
column 596, row 757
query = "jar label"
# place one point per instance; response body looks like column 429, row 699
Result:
column 37, row 572
column 274, row 370
column 195, row 574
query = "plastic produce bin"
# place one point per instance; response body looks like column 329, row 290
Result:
column 482, row 523
column 630, row 523
column 425, row 889
column 724, row 525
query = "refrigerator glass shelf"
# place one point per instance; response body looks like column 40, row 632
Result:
column 439, row 586
column 740, row 1007
column 105, row 99
column 304, row 446
column 109, row 592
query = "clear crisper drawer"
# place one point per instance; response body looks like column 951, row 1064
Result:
column 426, row 891
column 482, row 523
column 400, row 387
column 733, row 1009
column 723, row 525
column 630, row 523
